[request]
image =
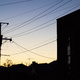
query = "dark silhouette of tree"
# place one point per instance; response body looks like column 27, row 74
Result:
column 8, row 63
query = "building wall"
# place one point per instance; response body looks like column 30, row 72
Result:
column 68, row 44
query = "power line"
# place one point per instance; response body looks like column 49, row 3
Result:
column 4, row 27
column 27, row 11
column 50, row 20
column 35, row 27
column 42, row 15
column 71, row 6
column 70, row 10
column 36, row 48
column 45, row 22
column 14, row 2
column 19, row 26
column 21, row 34
column 44, row 44
column 41, row 43
column 5, row 55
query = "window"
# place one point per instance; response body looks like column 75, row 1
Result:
column 69, row 51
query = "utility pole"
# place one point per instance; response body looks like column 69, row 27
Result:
column 0, row 42
column 1, row 38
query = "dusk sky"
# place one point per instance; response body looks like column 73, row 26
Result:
column 33, row 28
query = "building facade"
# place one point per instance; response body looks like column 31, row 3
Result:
column 68, row 46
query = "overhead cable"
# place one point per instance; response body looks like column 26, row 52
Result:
column 50, row 20
column 43, row 45
column 27, row 12
column 33, row 20
column 44, row 42
column 59, row 16
column 21, row 34
column 34, row 52
column 14, row 2
column 19, row 26
column 47, row 21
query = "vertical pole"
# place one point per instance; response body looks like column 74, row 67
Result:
column 1, row 37
column 0, row 44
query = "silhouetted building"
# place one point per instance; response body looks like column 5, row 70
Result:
column 68, row 46
column 44, row 71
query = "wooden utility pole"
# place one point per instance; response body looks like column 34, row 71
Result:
column 1, row 38
column 0, row 43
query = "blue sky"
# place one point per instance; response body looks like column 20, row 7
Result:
column 33, row 27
